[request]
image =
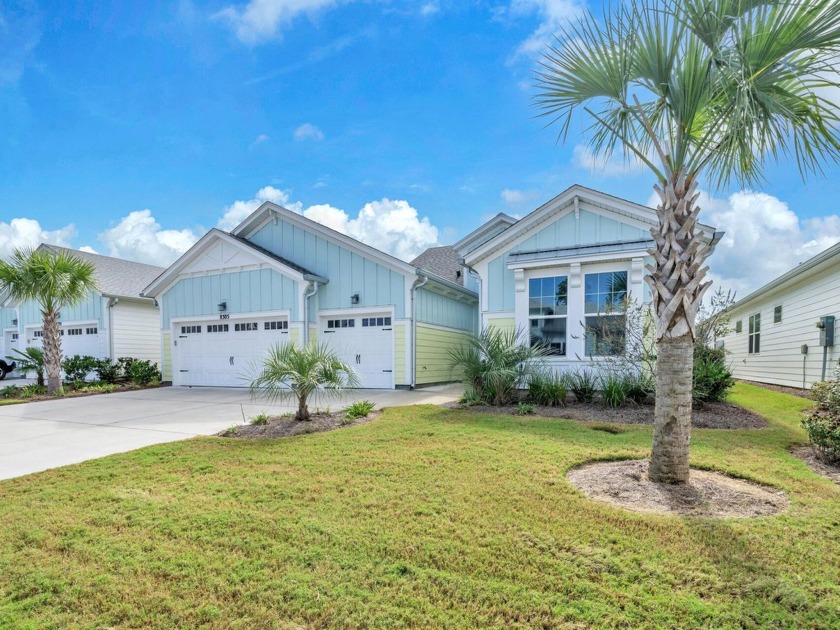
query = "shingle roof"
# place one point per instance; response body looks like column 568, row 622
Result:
column 115, row 276
column 441, row 261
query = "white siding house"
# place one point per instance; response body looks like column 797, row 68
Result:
column 772, row 326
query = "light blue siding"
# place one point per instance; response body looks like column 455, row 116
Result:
column 348, row 272
column 500, row 285
column 6, row 317
column 244, row 291
column 89, row 309
column 434, row 308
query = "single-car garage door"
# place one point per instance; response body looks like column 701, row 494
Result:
column 366, row 343
column 224, row 353
column 82, row 339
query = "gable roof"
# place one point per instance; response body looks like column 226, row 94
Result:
column 484, row 232
column 812, row 265
column 115, row 277
column 158, row 284
column 443, row 262
column 572, row 196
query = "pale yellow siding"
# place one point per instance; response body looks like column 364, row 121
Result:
column 433, row 346
column 294, row 335
column 400, row 377
column 313, row 334
column 167, row 356
column 503, row 323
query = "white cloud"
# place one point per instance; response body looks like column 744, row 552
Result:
column 430, row 8
column 260, row 139
column 764, row 238
column 616, row 166
column 552, row 14
column 28, row 234
column 138, row 236
column 238, row 211
column 20, row 34
column 262, row 20
column 88, row 249
column 519, row 199
column 308, row 131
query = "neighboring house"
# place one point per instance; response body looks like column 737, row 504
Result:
column 563, row 269
column 113, row 321
column 771, row 326
column 279, row 277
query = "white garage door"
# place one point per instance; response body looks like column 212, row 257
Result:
column 366, row 343
column 81, row 339
column 224, row 353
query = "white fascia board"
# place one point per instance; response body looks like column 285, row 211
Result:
column 480, row 231
column 266, row 212
column 171, row 275
column 592, row 258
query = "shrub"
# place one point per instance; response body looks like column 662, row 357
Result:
column 12, row 391
column 583, row 385
column 142, row 372
column 30, row 391
column 495, row 363
column 261, row 419
column 638, row 387
column 108, row 372
column 823, row 429
column 98, row 388
column 547, row 387
column 470, row 398
column 614, row 389
column 524, row 409
column 712, row 379
column 359, row 409
column 77, row 367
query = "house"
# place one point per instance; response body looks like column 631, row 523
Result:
column 278, row 278
column 563, row 270
column 113, row 321
column 784, row 332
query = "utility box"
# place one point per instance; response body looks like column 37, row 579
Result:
column 804, row 348
column 826, row 326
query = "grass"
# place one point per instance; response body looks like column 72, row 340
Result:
column 11, row 401
column 423, row 518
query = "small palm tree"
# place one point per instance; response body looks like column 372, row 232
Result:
column 693, row 88
column 292, row 371
column 55, row 279
column 31, row 360
column 496, row 362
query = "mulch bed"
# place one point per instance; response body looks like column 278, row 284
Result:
column 711, row 416
column 707, row 494
column 69, row 392
column 807, row 455
column 285, row 426
column 783, row 389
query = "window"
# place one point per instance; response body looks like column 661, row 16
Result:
column 38, row 334
column 74, row 332
column 604, row 295
column 14, row 336
column 341, row 323
column 777, row 314
column 217, row 328
column 276, row 325
column 739, row 326
column 376, row 321
column 548, row 300
column 245, row 327
column 755, row 333
column 92, row 331
column 187, row 330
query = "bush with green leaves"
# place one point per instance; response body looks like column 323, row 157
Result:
column 77, row 367
column 548, row 387
column 108, row 372
column 495, row 363
column 584, row 385
column 359, row 409
column 614, row 389
column 261, row 419
column 142, row 372
column 639, row 387
column 712, row 378
column 524, row 409
column 12, row 391
column 32, row 390
column 823, row 424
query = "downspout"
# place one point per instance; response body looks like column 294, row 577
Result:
column 419, row 282
column 311, row 291
column 112, row 302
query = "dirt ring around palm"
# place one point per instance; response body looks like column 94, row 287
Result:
column 707, row 494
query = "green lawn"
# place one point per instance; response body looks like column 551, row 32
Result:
column 422, row 518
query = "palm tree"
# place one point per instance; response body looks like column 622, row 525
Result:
column 292, row 371
column 55, row 279
column 31, row 360
column 694, row 87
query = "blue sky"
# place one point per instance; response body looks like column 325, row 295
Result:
column 131, row 128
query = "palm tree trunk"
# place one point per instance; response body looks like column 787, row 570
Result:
column 52, row 351
column 676, row 281
column 303, row 409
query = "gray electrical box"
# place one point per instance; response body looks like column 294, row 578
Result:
column 826, row 326
column 804, row 348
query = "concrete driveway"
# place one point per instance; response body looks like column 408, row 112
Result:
column 41, row 435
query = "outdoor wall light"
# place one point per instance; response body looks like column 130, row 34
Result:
column 354, row 299
column 14, row 322
column 222, row 307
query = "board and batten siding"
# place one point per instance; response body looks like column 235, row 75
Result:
column 7, row 315
column 779, row 360
column 349, row 273
column 135, row 331
column 441, row 310
column 433, row 344
column 244, row 291
column 88, row 310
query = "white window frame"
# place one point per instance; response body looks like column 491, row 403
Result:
column 564, row 316
column 602, row 314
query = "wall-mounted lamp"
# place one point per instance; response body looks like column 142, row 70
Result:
column 354, row 299
column 222, row 307
column 14, row 322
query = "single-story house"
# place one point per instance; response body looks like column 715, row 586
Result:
column 784, row 333
column 279, row 277
column 563, row 269
column 111, row 322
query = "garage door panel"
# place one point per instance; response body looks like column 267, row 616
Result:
column 365, row 342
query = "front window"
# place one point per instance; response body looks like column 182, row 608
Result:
column 755, row 333
column 547, row 309
column 604, row 297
